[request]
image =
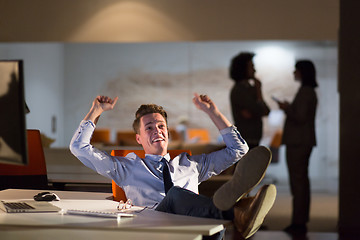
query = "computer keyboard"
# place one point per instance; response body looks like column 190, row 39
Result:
column 98, row 213
column 17, row 205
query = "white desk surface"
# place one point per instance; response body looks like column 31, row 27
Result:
column 145, row 221
column 88, row 234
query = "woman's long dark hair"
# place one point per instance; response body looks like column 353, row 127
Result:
column 307, row 72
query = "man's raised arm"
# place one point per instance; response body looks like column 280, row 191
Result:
column 100, row 105
column 204, row 103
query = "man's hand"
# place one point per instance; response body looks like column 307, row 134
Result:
column 104, row 103
column 257, row 83
column 246, row 114
column 283, row 105
column 203, row 102
column 100, row 105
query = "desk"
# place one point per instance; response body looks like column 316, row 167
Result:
column 88, row 234
column 147, row 221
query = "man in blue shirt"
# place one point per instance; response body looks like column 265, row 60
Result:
column 145, row 181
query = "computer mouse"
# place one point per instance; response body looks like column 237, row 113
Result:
column 46, row 196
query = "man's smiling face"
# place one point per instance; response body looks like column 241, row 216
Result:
column 153, row 134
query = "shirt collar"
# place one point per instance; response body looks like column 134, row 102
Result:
column 157, row 157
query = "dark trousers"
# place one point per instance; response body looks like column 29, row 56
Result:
column 297, row 158
column 184, row 202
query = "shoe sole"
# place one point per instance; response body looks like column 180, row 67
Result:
column 248, row 173
column 267, row 199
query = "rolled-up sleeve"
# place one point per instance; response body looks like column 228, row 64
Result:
column 97, row 160
column 216, row 162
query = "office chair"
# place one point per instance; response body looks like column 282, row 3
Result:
column 118, row 192
column 200, row 134
column 101, row 136
column 126, row 138
column 275, row 145
column 31, row 176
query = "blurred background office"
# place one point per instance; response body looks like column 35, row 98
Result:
column 78, row 49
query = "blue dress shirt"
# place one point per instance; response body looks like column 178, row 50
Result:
column 141, row 179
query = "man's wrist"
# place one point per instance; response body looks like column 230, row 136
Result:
column 93, row 115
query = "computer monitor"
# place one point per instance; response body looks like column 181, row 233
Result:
column 13, row 141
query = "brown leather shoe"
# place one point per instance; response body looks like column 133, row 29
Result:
column 249, row 212
column 248, row 173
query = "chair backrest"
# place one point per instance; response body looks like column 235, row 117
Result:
column 174, row 135
column 101, row 135
column 276, row 140
column 126, row 138
column 33, row 175
column 200, row 134
column 118, row 192
column 275, row 145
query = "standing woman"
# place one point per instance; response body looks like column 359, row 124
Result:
column 247, row 103
column 299, row 138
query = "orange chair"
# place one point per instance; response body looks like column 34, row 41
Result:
column 126, row 138
column 276, row 140
column 31, row 176
column 201, row 133
column 101, row 135
column 275, row 145
column 174, row 135
column 118, row 193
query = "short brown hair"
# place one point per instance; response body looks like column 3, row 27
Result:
column 147, row 109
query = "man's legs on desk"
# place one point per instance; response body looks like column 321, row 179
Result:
column 229, row 202
column 184, row 202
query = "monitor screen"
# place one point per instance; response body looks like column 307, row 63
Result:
column 13, row 144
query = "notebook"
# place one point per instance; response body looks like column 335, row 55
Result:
column 30, row 206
